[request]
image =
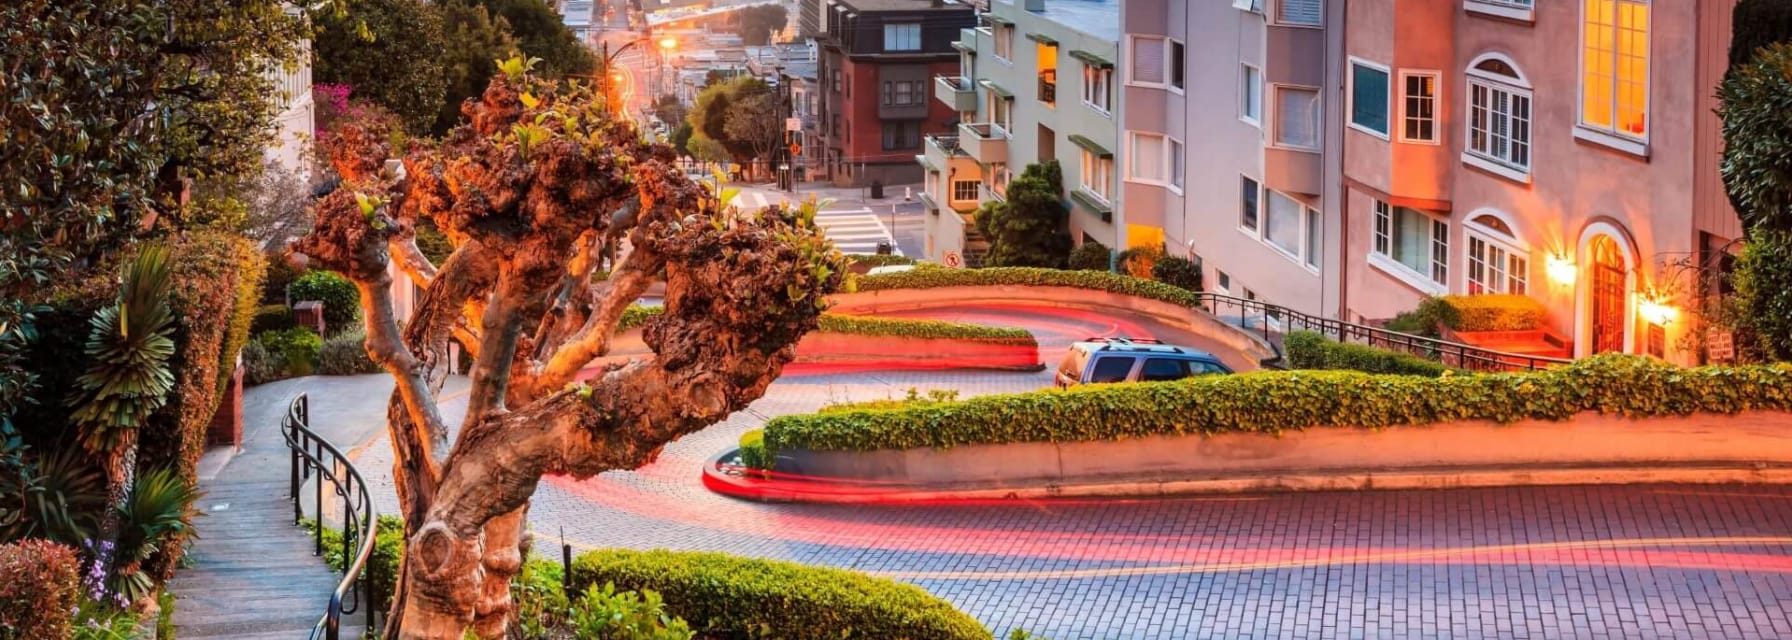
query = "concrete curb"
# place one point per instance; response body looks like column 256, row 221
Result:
column 726, row 479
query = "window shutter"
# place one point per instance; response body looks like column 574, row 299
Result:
column 1302, row 12
column 1148, row 60
column 1297, row 117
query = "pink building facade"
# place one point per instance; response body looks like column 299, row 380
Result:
column 1563, row 150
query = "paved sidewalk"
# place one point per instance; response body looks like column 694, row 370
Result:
column 254, row 574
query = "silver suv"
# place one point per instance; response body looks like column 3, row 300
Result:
column 1099, row 360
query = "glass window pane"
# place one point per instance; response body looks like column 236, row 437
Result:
column 1160, row 369
column 1369, row 98
column 1247, row 207
column 1297, row 117
column 1282, row 227
column 1112, row 369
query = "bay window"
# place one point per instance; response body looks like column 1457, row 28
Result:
column 1407, row 241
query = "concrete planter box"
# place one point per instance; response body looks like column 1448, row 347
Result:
column 1589, row 449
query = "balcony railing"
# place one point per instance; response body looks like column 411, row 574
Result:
column 1048, row 86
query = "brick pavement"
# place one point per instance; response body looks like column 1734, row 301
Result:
column 1553, row 562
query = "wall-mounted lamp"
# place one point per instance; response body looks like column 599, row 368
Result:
column 1561, row 269
column 1656, row 311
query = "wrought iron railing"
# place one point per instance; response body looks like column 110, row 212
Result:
column 312, row 455
column 1274, row 321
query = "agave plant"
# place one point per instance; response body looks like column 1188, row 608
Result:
column 58, row 497
column 160, row 512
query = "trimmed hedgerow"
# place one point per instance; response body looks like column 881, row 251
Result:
column 1312, row 350
column 1272, row 402
column 40, row 585
column 271, row 317
column 1492, row 312
column 637, row 315
column 928, row 277
column 872, row 260
column 728, row 597
column 344, row 354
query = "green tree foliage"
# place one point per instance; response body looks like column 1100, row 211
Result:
column 342, row 301
column 391, row 53
column 1090, row 256
column 1756, row 24
column 1178, row 271
column 109, row 111
column 755, row 25
column 475, row 38
column 681, row 139
column 753, row 125
column 541, row 33
column 1026, row 229
column 669, row 110
column 1757, row 171
column 731, row 114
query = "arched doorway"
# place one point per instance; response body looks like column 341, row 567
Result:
column 1607, row 291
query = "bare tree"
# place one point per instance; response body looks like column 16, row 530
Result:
column 535, row 187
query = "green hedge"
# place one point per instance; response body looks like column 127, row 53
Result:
column 1490, row 312
column 1272, row 402
column 872, row 260
column 637, row 315
column 727, row 597
column 382, row 565
column 929, row 277
column 1312, row 350
column 342, row 300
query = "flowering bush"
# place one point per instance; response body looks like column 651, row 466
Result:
column 39, row 588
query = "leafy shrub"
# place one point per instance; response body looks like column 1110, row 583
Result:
column 604, row 613
column 342, row 301
column 382, row 565
column 1491, row 312
column 296, row 349
column 727, row 597
column 1138, row 261
column 1272, row 402
column 929, row 277
column 752, row 450
column 1090, row 256
column 1312, row 350
column 103, row 621
column 540, row 601
column 261, row 366
column 1764, row 292
column 271, row 317
column 40, row 585
column 914, row 399
column 872, row 260
column 343, row 354
column 1177, row 271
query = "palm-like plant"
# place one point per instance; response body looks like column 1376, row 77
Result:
column 160, row 510
column 127, row 378
column 59, row 497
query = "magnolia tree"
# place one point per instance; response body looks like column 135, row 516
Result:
column 540, row 183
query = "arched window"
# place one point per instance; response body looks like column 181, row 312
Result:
column 1498, row 261
column 1499, row 118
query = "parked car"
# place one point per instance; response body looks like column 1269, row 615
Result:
column 1099, row 360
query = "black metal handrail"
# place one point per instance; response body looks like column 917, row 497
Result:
column 312, row 454
column 1455, row 354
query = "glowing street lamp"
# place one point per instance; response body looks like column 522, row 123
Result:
column 668, row 43
column 1655, row 310
column 1560, row 269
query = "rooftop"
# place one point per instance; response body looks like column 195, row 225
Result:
column 1097, row 18
column 904, row 5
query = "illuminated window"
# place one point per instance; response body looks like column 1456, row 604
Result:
column 1615, row 67
column 1497, row 262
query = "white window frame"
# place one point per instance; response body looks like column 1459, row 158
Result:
column 1098, row 76
column 1280, row 17
column 1516, row 87
column 1303, row 218
column 1384, row 261
column 952, row 194
column 1613, row 136
column 1132, row 42
column 1387, row 107
column 1091, row 180
column 1436, row 87
column 1171, row 61
column 1250, row 78
column 1275, row 117
column 1521, row 10
column 1132, row 142
column 1175, row 164
column 1473, row 231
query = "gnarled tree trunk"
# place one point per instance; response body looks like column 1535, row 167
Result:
column 535, row 191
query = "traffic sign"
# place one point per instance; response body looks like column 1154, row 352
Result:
column 952, row 260
column 796, row 148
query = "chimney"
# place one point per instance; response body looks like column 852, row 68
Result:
column 1035, row 5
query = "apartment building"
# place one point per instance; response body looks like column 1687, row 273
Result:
column 295, row 121
column 877, row 60
column 1035, row 82
column 1226, row 148
column 1562, row 150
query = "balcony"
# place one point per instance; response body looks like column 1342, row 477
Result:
column 985, row 142
column 956, row 92
column 939, row 152
column 967, row 39
column 1048, row 86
